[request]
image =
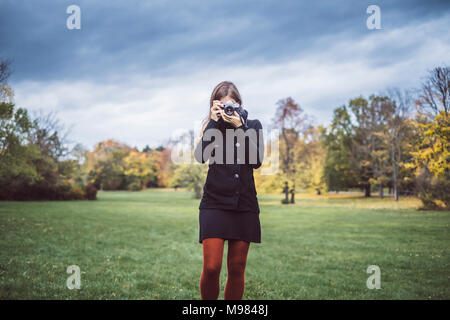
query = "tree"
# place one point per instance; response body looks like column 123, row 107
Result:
column 30, row 151
column 399, row 133
column 337, row 140
column 106, row 165
column 383, row 111
column 310, row 162
column 435, row 94
column 165, row 165
column 291, row 120
column 76, row 162
column 432, row 144
column 362, row 146
column 17, row 159
column 49, row 134
column 432, row 160
column 190, row 176
column 140, row 168
column 369, row 151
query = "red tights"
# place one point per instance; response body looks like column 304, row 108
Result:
column 212, row 264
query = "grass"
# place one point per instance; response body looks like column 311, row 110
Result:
column 144, row 245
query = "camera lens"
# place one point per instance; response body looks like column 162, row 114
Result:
column 229, row 110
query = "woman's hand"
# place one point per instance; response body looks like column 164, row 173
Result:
column 235, row 120
column 216, row 110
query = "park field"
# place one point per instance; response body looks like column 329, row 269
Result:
column 144, row 245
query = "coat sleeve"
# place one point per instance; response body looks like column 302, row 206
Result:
column 201, row 145
column 256, row 146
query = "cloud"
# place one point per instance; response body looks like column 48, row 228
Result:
column 142, row 108
column 120, row 37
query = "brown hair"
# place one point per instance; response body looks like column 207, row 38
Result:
column 223, row 89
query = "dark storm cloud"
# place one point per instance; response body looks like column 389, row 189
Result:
column 150, row 36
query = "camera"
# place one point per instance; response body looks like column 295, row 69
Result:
column 229, row 107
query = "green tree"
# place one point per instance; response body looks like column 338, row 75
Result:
column 16, row 158
column 190, row 176
column 370, row 154
column 337, row 140
column 30, row 152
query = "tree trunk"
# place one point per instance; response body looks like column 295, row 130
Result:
column 381, row 191
column 367, row 188
column 198, row 192
column 395, row 174
column 395, row 178
column 395, row 191
column 293, row 193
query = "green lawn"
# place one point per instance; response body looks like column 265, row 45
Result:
column 144, row 245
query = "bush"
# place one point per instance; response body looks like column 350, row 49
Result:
column 91, row 192
column 42, row 190
column 433, row 191
column 134, row 186
column 77, row 193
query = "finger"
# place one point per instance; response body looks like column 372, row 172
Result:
column 225, row 116
column 231, row 117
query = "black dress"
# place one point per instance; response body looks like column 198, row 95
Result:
column 230, row 225
column 229, row 207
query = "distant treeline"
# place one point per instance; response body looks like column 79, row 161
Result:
column 397, row 140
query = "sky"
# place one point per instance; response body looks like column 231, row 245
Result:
column 141, row 71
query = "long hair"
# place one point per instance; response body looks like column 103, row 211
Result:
column 223, row 89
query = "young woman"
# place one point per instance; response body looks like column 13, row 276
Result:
column 229, row 207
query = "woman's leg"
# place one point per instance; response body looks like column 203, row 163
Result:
column 212, row 263
column 236, row 261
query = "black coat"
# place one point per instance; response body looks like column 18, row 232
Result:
column 231, row 185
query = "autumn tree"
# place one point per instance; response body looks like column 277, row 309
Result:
column 291, row 120
column 141, row 169
column 310, row 161
column 165, row 166
column 431, row 148
column 106, row 165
